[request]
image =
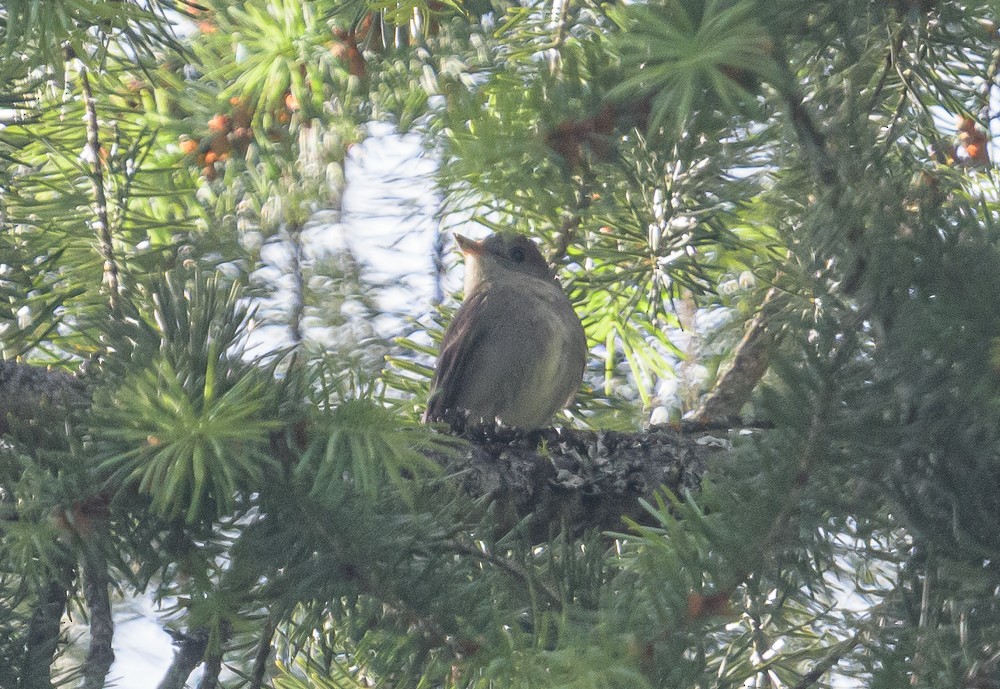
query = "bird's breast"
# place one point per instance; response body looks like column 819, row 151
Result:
column 532, row 362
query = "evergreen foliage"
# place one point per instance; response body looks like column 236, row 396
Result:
column 672, row 157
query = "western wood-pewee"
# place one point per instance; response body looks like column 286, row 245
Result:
column 515, row 351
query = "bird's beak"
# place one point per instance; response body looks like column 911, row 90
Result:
column 469, row 246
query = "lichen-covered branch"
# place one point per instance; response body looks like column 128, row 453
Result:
column 28, row 392
column 586, row 479
column 103, row 225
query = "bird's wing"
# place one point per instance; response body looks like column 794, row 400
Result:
column 465, row 333
column 472, row 324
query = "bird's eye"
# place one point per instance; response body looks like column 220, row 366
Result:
column 517, row 254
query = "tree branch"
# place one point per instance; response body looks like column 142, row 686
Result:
column 750, row 361
column 991, row 76
column 588, row 479
column 571, row 222
column 213, row 668
column 831, row 659
column 565, row 237
column 263, row 652
column 94, row 153
column 190, row 652
column 298, row 305
column 813, row 142
column 27, row 392
column 507, row 565
column 43, row 635
column 100, row 656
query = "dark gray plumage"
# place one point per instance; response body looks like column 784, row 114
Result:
column 515, row 351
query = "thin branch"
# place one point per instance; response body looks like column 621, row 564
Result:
column 923, row 624
column 508, row 566
column 298, row 306
column 761, row 644
column 440, row 267
column 263, row 652
column 571, row 222
column 890, row 62
column 560, row 36
column 124, row 191
column 897, row 114
column 28, row 392
column 750, row 361
column 814, row 146
column 100, row 655
column 43, row 634
column 991, row 75
column 213, row 668
column 812, row 140
column 565, row 237
column 831, row 659
column 94, row 153
column 909, row 94
column 190, row 652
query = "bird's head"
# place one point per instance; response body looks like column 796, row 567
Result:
column 501, row 256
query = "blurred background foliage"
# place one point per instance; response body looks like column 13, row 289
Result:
column 174, row 232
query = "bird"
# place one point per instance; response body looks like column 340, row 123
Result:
column 515, row 351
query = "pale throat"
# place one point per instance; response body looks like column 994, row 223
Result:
column 486, row 268
column 476, row 270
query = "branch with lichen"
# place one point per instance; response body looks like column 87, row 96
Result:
column 112, row 277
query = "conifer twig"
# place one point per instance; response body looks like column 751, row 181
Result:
column 570, row 224
column 813, row 141
column 564, row 238
column 104, row 236
column 890, row 62
column 263, row 652
column 991, row 76
column 440, row 267
column 298, row 305
column 508, row 566
column 831, row 659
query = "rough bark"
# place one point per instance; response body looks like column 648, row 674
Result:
column 588, row 479
column 28, row 392
column 100, row 655
column 213, row 668
column 43, row 635
column 190, row 652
